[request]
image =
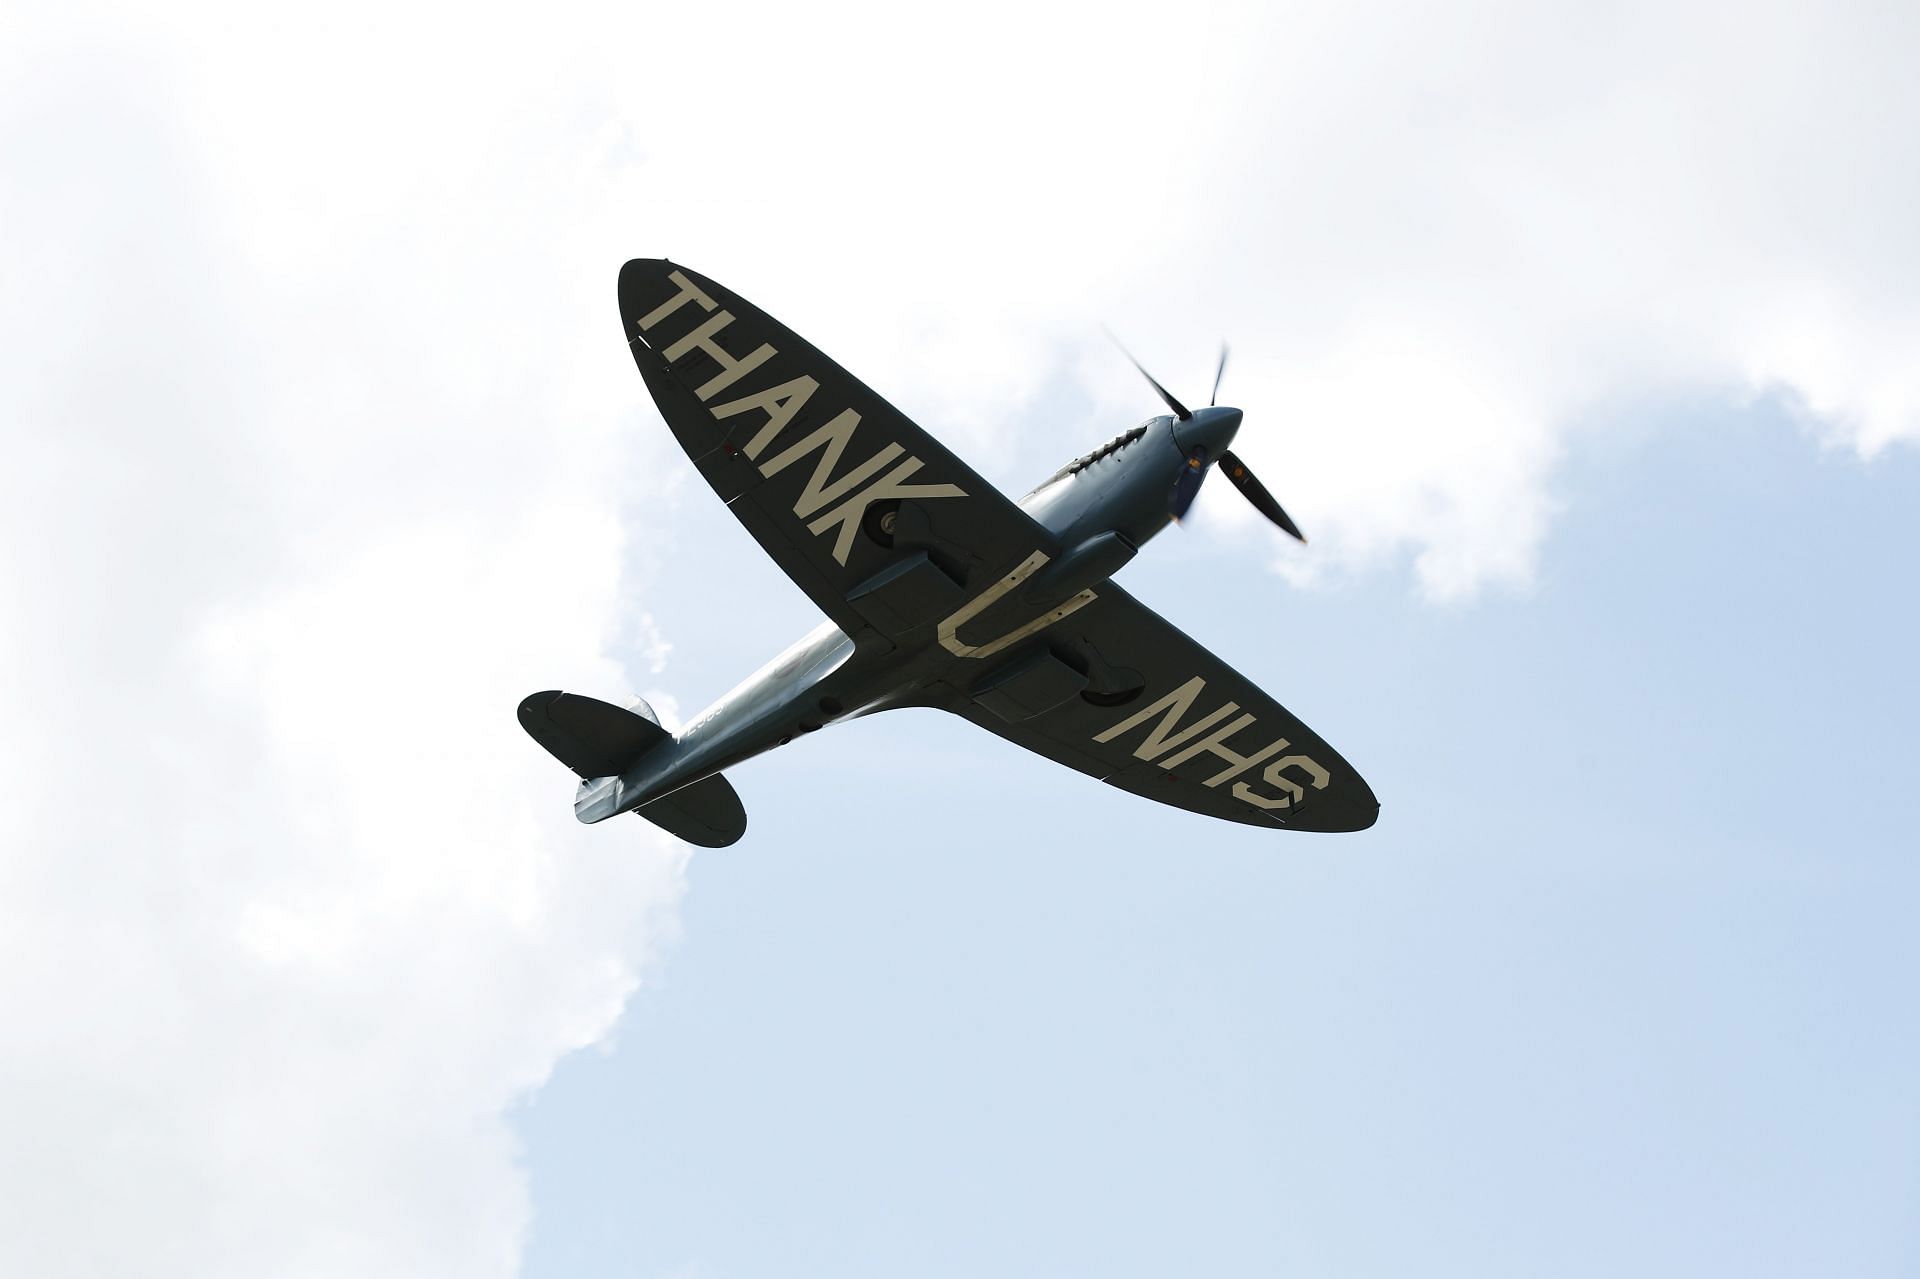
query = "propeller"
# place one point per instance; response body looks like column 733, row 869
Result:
column 1187, row 487
column 1179, row 410
column 1255, row 492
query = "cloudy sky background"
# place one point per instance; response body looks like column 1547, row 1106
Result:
column 1582, row 343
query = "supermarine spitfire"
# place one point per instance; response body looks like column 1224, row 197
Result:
column 939, row 591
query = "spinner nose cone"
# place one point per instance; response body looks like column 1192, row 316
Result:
column 1210, row 428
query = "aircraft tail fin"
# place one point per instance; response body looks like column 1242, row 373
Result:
column 600, row 741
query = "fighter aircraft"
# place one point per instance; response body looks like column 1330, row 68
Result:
column 939, row 591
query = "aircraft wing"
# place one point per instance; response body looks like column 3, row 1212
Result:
column 873, row 518
column 1119, row 693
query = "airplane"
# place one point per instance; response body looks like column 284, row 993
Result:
column 938, row 591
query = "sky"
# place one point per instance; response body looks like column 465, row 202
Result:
column 1579, row 341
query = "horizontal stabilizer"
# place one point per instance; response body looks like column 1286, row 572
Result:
column 593, row 738
column 707, row 813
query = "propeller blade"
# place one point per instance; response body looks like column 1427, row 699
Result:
column 1179, row 410
column 1256, row 493
column 1187, row 487
column 1217, row 375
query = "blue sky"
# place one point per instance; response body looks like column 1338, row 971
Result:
column 1621, row 981
column 1581, row 341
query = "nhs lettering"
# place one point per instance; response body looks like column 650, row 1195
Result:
column 1210, row 734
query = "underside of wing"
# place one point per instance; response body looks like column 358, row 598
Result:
column 1121, row 694
column 873, row 518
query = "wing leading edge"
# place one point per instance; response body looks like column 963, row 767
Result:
column 1142, row 706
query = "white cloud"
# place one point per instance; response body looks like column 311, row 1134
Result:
column 290, row 911
column 322, row 451
column 1438, row 238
